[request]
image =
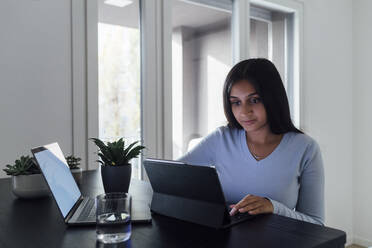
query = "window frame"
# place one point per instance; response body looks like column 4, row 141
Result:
column 84, row 61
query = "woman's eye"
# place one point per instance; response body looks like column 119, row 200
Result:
column 254, row 100
column 235, row 103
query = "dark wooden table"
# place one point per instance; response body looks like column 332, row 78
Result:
column 37, row 223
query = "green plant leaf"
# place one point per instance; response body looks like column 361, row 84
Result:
column 73, row 162
column 25, row 165
column 104, row 149
column 103, row 158
column 120, row 144
column 101, row 145
column 134, row 152
column 126, row 151
column 124, row 159
column 114, row 153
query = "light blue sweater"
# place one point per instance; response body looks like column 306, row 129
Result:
column 291, row 177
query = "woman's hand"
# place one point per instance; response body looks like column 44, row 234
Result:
column 253, row 205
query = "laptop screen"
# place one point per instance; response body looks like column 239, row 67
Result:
column 58, row 176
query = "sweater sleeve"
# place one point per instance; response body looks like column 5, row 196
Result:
column 310, row 203
column 204, row 152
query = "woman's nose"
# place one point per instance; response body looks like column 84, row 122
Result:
column 246, row 110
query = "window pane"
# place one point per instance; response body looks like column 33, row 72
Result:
column 119, row 73
column 201, row 54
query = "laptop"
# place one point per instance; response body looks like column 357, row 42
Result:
column 190, row 193
column 74, row 208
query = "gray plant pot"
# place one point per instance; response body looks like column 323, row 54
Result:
column 77, row 174
column 30, row 186
column 116, row 178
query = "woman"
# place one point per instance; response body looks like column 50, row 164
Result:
column 265, row 164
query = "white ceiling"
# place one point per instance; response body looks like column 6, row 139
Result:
column 183, row 14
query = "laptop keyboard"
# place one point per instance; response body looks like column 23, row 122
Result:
column 88, row 212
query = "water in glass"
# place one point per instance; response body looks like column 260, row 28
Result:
column 113, row 227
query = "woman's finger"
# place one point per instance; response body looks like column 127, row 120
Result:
column 246, row 200
column 243, row 204
column 250, row 207
column 258, row 210
column 238, row 205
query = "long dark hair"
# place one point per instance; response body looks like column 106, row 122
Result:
column 265, row 78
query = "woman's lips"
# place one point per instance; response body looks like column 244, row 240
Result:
column 249, row 122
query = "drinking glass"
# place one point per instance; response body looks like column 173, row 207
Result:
column 113, row 217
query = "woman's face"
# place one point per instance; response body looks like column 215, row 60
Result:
column 247, row 107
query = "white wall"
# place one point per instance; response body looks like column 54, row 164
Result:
column 362, row 132
column 327, row 101
column 35, row 77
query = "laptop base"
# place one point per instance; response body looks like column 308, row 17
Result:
column 140, row 214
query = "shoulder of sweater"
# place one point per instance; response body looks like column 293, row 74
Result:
column 227, row 131
column 308, row 144
column 222, row 133
column 302, row 138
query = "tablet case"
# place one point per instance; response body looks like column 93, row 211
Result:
column 187, row 192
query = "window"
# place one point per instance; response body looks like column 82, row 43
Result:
column 119, row 73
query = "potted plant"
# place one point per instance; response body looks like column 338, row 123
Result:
column 74, row 162
column 115, row 167
column 27, row 182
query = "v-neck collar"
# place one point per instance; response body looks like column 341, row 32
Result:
column 249, row 156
